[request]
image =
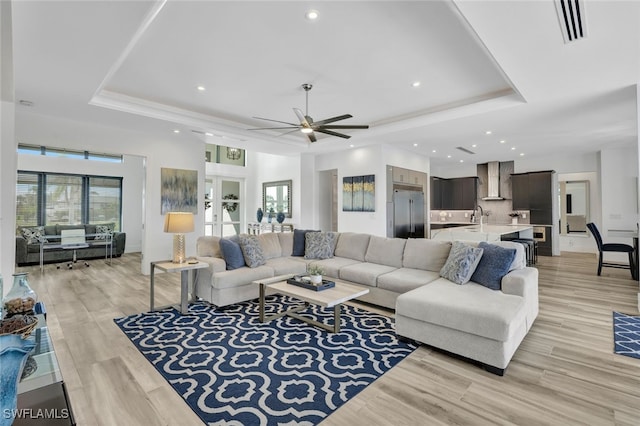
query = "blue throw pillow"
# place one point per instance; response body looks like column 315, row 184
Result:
column 461, row 263
column 299, row 241
column 494, row 265
column 231, row 253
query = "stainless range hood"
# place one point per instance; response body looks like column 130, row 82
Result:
column 493, row 182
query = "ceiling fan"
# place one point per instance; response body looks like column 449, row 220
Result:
column 309, row 127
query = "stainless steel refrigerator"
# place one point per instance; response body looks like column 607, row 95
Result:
column 408, row 214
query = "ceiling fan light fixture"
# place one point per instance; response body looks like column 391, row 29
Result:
column 306, row 130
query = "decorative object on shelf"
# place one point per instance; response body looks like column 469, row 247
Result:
column 259, row 215
column 514, row 217
column 178, row 223
column 21, row 325
column 270, row 215
column 359, row 193
column 21, row 298
column 315, row 274
column 230, row 207
column 13, row 355
column 207, row 201
column 280, row 217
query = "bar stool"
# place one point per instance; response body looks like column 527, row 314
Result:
column 531, row 248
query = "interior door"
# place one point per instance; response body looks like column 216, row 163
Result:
column 227, row 207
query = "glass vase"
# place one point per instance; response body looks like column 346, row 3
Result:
column 21, row 298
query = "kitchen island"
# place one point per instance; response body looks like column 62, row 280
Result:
column 483, row 232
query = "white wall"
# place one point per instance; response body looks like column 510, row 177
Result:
column 131, row 170
column 181, row 151
column 7, row 150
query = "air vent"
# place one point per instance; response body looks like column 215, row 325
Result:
column 463, row 149
column 571, row 16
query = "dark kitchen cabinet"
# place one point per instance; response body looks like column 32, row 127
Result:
column 454, row 194
column 534, row 192
column 520, row 191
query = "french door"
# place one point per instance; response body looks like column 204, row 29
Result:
column 225, row 215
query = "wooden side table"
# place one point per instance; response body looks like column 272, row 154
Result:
column 183, row 268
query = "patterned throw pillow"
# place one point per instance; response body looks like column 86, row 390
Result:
column 320, row 245
column 461, row 263
column 252, row 251
column 104, row 231
column 34, row 235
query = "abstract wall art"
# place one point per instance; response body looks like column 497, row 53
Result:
column 359, row 193
column 178, row 190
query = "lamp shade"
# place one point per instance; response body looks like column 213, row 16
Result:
column 178, row 222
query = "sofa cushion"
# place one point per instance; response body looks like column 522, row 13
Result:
column 471, row 308
column 422, row 253
column 364, row 273
column 332, row 266
column 320, row 245
column 299, row 241
column 461, row 262
column 209, row 246
column 494, row 264
column 240, row 277
column 33, row 235
column 270, row 244
column 231, row 253
column 287, row 265
column 385, row 251
column 252, row 250
column 352, row 245
column 286, row 243
column 406, row 279
column 60, row 228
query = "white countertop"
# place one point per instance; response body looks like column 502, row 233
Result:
column 481, row 232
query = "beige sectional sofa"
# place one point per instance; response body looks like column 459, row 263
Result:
column 470, row 320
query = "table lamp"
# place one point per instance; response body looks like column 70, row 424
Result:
column 178, row 223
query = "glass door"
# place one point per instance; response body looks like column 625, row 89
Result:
column 226, row 215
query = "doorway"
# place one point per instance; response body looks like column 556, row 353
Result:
column 224, row 206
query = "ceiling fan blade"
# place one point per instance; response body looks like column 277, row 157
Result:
column 312, row 137
column 329, row 132
column 345, row 126
column 276, row 128
column 333, row 119
column 301, row 117
column 276, row 121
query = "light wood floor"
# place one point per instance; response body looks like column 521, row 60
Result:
column 564, row 372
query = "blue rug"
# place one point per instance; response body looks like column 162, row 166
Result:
column 232, row 369
column 626, row 334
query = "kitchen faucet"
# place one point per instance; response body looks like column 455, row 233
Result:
column 479, row 207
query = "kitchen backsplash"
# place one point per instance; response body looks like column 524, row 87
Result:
column 497, row 211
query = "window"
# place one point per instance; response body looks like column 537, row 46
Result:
column 52, row 198
column 68, row 153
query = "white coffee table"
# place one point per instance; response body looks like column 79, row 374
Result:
column 330, row 298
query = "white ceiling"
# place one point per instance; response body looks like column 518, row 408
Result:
column 483, row 65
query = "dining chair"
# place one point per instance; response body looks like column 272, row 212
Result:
column 611, row 247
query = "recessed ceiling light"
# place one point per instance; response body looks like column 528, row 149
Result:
column 176, row 131
column 448, row 156
column 502, row 141
column 415, row 84
column 201, row 88
column 462, row 161
column 488, row 132
column 513, row 148
column 522, row 154
column 474, row 145
column 351, row 146
column 208, row 134
column 433, row 151
column 415, row 144
column 312, row 15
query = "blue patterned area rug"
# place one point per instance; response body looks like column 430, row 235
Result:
column 232, row 369
column 626, row 334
